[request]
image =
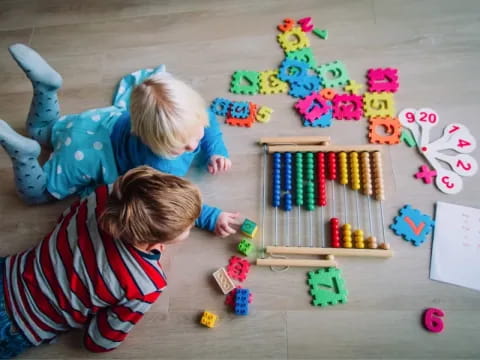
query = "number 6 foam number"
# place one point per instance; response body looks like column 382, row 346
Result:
column 432, row 320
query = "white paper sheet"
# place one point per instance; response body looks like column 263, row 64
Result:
column 456, row 245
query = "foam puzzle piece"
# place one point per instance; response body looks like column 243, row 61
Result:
column 292, row 70
column 223, row 280
column 378, row 104
column 306, row 24
column 230, row 298
column 408, row 138
column 412, row 225
column 323, row 121
column 263, row 114
column 426, row 174
column 327, row 287
column 382, row 80
column 312, row 107
column 353, row 87
column 333, row 74
column 392, row 129
column 305, row 86
column 245, row 247
column 293, row 39
column 238, row 268
column 322, row 34
column 347, row 107
column 328, row 93
column 432, row 320
column 209, row 319
column 220, row 106
column 247, row 122
column 245, row 82
column 241, row 301
column 271, row 84
column 304, row 55
column 286, row 25
column 249, row 228
column 240, row 109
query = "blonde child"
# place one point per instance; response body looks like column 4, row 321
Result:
column 167, row 127
column 99, row 268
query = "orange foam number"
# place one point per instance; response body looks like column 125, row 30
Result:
column 432, row 320
column 247, row 122
column 391, row 127
column 287, row 25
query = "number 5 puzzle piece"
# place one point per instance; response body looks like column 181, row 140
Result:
column 271, row 84
column 412, row 225
column 392, row 129
column 263, row 114
column 378, row 104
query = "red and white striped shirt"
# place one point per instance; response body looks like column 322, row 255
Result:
column 79, row 276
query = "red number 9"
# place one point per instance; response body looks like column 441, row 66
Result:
column 432, row 320
column 410, row 116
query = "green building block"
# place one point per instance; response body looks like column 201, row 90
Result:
column 249, row 228
column 304, row 55
column 245, row 247
column 323, row 34
column 245, row 82
column 327, row 287
column 408, row 138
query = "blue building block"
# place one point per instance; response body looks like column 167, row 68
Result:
column 412, row 225
column 241, row 301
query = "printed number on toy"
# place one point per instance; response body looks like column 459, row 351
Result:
column 448, row 182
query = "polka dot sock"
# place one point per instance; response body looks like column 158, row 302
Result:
column 30, row 180
column 44, row 109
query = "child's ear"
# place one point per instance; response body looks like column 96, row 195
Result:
column 160, row 247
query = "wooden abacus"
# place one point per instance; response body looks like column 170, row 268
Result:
column 313, row 161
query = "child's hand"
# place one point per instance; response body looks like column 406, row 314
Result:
column 227, row 224
column 218, row 164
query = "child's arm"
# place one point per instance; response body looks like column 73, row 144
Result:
column 111, row 325
column 214, row 220
column 213, row 147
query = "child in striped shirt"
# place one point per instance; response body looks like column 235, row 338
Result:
column 99, row 267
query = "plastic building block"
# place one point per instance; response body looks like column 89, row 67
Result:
column 391, row 127
column 230, row 298
column 333, row 74
column 245, row 247
column 324, row 121
column 241, row 301
column 208, row 319
column 292, row 70
column 327, row 287
column 328, row 93
column 378, row 104
column 347, row 107
column 382, row 80
column 271, row 84
column 223, row 280
column 286, row 25
column 412, row 225
column 263, row 114
column 408, row 138
column 432, row 320
column 245, row 82
column 293, row 39
column 248, row 122
column 312, row 107
column 220, row 106
column 304, row 55
column 240, row 109
column 249, row 228
column 238, row 268
column 306, row 24
column 322, row 34
column 353, row 87
column 426, row 174
column 305, row 86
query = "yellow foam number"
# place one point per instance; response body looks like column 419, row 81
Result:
column 293, row 39
column 378, row 104
column 271, row 84
column 263, row 114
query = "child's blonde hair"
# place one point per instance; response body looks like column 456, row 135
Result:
column 147, row 206
column 164, row 112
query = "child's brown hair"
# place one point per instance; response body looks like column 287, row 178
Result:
column 148, row 206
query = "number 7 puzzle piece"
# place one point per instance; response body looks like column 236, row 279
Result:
column 412, row 225
column 327, row 287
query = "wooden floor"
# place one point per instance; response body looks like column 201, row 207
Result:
column 435, row 44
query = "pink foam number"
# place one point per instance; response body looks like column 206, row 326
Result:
column 380, row 80
column 306, row 24
column 432, row 320
column 426, row 174
column 347, row 107
column 313, row 107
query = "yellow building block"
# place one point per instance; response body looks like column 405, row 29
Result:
column 208, row 319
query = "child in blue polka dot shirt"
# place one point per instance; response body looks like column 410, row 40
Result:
column 155, row 120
